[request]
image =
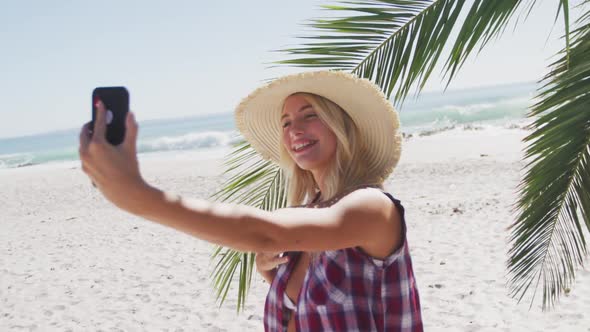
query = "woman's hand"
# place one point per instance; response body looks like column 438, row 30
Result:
column 114, row 170
column 266, row 262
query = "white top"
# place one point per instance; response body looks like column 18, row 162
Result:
column 288, row 303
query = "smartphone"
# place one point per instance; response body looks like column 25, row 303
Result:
column 116, row 102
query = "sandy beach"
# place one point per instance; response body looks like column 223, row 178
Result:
column 71, row 261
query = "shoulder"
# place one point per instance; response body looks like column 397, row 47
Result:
column 368, row 193
column 371, row 206
column 366, row 198
column 380, row 217
column 361, row 217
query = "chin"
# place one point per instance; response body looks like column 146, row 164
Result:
column 307, row 166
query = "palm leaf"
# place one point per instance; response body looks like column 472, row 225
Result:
column 547, row 237
column 397, row 44
column 484, row 21
column 564, row 5
column 254, row 182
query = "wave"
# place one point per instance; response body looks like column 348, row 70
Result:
column 516, row 104
column 190, row 141
column 16, row 160
column 452, row 114
column 444, row 126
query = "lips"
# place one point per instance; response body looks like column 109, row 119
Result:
column 311, row 144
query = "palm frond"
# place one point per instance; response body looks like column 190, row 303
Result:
column 564, row 5
column 548, row 235
column 397, row 44
column 389, row 42
column 254, row 182
column 484, row 21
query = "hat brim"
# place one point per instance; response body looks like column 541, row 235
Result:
column 257, row 116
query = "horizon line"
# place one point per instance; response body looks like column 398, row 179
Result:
column 421, row 94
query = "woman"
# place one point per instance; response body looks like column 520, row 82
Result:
column 336, row 136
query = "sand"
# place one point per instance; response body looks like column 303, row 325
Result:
column 70, row 261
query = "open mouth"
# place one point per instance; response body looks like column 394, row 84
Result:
column 305, row 147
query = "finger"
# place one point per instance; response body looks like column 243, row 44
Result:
column 84, row 138
column 280, row 260
column 131, row 130
column 100, row 123
column 268, row 256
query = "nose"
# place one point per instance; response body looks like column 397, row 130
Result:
column 296, row 129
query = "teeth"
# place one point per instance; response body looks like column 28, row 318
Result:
column 300, row 146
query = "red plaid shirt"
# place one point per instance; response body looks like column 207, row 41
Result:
column 348, row 290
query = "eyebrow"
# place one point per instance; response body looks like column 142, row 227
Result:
column 303, row 108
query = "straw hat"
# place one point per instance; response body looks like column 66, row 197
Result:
column 258, row 115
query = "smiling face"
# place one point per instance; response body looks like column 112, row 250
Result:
column 310, row 143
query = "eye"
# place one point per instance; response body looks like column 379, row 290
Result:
column 286, row 124
column 311, row 115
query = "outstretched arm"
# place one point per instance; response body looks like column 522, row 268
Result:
column 364, row 218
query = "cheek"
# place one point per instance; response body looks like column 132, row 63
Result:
column 327, row 135
column 332, row 142
column 285, row 141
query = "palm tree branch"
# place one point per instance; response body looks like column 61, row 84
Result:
column 253, row 182
column 564, row 4
column 397, row 44
column 364, row 44
column 547, row 237
column 404, row 27
column 484, row 21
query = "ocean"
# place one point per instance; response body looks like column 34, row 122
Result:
column 502, row 106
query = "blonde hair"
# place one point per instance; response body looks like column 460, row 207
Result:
column 350, row 167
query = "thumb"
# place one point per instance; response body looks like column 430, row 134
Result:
column 131, row 130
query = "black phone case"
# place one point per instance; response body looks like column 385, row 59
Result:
column 116, row 100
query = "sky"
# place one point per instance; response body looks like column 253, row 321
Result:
column 191, row 58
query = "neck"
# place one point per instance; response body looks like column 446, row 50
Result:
column 319, row 180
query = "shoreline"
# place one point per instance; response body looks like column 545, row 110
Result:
column 28, row 159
